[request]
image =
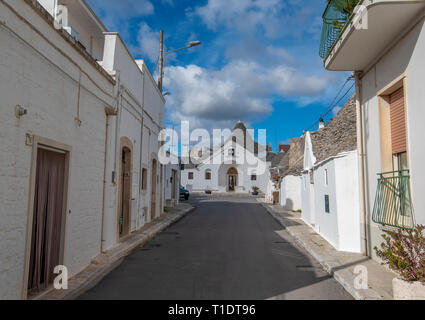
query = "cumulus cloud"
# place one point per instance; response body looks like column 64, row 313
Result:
column 148, row 41
column 271, row 18
column 242, row 14
column 114, row 13
column 240, row 90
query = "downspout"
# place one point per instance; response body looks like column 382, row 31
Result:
column 102, row 239
column 110, row 111
column 141, row 147
column 361, row 161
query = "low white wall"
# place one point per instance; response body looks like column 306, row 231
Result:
column 341, row 225
column 290, row 193
column 307, row 200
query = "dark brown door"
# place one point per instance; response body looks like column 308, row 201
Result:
column 153, row 189
column 124, row 219
column 232, row 183
column 48, row 220
column 174, row 185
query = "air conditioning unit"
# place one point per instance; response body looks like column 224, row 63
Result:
column 72, row 32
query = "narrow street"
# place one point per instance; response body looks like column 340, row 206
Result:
column 227, row 248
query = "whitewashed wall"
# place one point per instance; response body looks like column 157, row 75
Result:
column 169, row 184
column 140, row 119
column 407, row 56
column 218, row 182
column 290, row 192
column 307, row 199
column 341, row 226
column 47, row 85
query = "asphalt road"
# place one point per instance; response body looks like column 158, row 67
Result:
column 228, row 248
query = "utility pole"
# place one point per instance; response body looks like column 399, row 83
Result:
column 161, row 59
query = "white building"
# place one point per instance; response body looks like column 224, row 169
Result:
column 237, row 166
column 78, row 126
column 330, row 184
column 387, row 56
column 134, row 180
column 172, row 182
column 288, row 167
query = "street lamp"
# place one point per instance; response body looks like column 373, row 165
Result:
column 162, row 54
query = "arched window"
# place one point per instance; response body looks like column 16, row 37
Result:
column 208, row 174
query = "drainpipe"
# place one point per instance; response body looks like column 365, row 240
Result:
column 361, row 160
column 113, row 111
column 104, row 206
column 141, row 149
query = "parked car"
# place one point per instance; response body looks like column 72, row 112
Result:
column 184, row 193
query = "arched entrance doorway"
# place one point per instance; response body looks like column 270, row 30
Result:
column 153, row 188
column 232, row 179
column 124, row 206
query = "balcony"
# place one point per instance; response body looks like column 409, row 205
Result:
column 393, row 203
column 337, row 14
column 352, row 38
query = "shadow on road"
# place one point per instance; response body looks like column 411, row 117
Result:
column 227, row 248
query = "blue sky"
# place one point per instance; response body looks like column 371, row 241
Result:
column 258, row 63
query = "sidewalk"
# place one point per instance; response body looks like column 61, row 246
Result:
column 339, row 264
column 108, row 261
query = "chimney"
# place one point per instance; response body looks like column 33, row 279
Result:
column 284, row 147
column 321, row 123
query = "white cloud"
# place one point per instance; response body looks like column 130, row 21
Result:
column 245, row 15
column 148, row 41
column 241, row 90
column 269, row 18
column 113, row 13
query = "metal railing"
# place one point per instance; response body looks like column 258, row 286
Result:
column 337, row 14
column 393, row 202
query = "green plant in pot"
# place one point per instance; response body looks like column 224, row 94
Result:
column 404, row 252
column 255, row 191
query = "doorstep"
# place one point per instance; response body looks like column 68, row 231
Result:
column 108, row 261
column 339, row 264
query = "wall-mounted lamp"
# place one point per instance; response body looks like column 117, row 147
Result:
column 20, row 111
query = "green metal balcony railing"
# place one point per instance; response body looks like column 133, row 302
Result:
column 335, row 17
column 393, row 202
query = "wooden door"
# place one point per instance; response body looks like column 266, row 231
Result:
column 48, row 229
column 125, row 193
column 153, row 189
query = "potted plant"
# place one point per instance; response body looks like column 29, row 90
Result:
column 208, row 190
column 255, row 191
column 404, row 252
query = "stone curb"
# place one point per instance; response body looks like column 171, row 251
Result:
column 102, row 265
column 330, row 265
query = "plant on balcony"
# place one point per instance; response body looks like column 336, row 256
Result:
column 255, row 190
column 346, row 8
column 404, row 252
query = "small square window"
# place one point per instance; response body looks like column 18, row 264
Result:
column 190, row 175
